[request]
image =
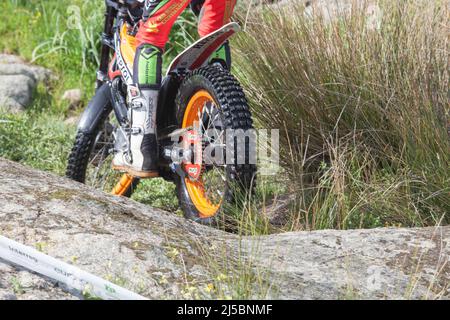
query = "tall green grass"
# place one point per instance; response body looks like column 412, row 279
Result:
column 362, row 110
column 36, row 139
column 39, row 31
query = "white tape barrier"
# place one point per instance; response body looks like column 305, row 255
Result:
column 63, row 272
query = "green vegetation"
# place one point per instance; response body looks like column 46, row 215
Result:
column 64, row 35
column 362, row 111
column 17, row 286
column 36, row 139
column 362, row 107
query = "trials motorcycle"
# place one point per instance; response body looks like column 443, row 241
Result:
column 198, row 103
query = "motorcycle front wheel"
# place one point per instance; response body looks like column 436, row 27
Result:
column 91, row 155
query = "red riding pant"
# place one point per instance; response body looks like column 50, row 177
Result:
column 160, row 15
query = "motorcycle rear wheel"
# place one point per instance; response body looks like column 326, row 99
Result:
column 213, row 93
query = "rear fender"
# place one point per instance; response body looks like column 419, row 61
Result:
column 198, row 54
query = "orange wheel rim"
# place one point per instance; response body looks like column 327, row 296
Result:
column 123, row 185
column 196, row 189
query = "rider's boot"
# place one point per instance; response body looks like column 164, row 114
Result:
column 141, row 158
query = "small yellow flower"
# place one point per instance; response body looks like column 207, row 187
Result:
column 173, row 253
column 40, row 246
column 210, row 288
column 87, row 290
column 163, row 280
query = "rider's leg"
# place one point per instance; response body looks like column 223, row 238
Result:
column 213, row 15
column 153, row 34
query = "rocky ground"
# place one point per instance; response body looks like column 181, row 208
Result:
column 162, row 256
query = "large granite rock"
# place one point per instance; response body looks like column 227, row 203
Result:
column 18, row 81
column 161, row 255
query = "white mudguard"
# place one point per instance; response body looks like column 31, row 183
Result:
column 198, row 54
